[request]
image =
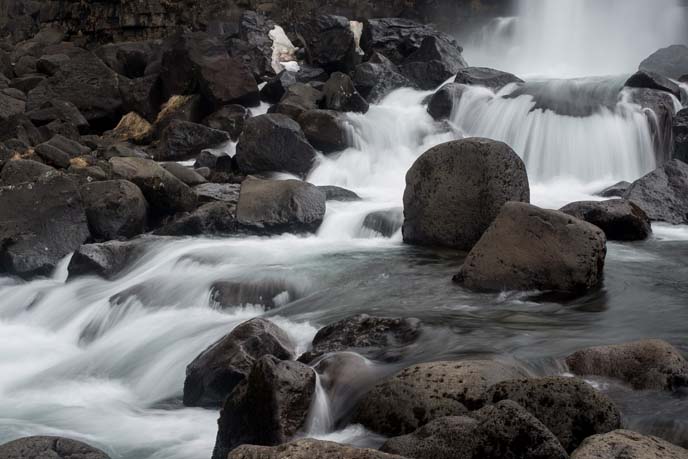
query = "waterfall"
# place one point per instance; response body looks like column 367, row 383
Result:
column 320, row 420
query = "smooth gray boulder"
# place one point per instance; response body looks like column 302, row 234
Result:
column 663, row 193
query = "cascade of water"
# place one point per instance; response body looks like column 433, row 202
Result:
column 320, row 420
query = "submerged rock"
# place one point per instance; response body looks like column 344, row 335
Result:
column 212, row 376
column 385, row 222
column 115, row 209
column 623, row 444
column 268, row 293
column 335, row 193
column 644, row 365
column 308, row 449
column 49, row 447
column 621, row 220
column 106, row 259
column 455, row 190
column 663, row 193
column 444, row 100
column 483, row 76
column 214, row 218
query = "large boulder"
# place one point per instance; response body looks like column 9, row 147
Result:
column 106, row 259
column 329, row 42
column 444, row 100
column 621, row 220
column 455, row 190
column 274, row 143
column 671, row 62
column 326, row 130
column 483, row 76
column 433, row 63
column 49, row 448
column 569, row 407
column 308, row 448
column 340, row 95
column 115, row 209
column 18, row 171
column 680, row 131
column 182, row 140
column 624, row 444
column 378, row 77
column 43, row 221
column 268, row 407
column 644, row 365
column 163, row 191
column 212, row 376
column 528, row 248
column 653, row 80
column 663, row 193
column 497, row 431
column 213, row 218
column 379, row 338
column 280, row 205
column 421, row 393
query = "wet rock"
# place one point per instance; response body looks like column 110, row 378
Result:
column 225, row 192
column 483, row 76
column 680, row 131
column 214, row 218
column 185, row 174
column 569, row 407
column 663, row 193
column 379, row 338
column 378, row 77
column 276, row 88
column 49, row 447
column 106, row 259
column 385, row 222
column 433, row 63
column 644, row 365
column 132, row 128
column 340, row 95
column 671, row 62
column 18, row 171
column 280, row 206
column 653, row 80
column 115, row 209
column 454, row 191
column 182, row 140
column 298, row 98
column 268, row 293
column 621, row 220
column 230, row 118
column 497, row 431
column 422, row 393
column 274, row 143
column 528, row 248
column 396, row 38
column 308, row 449
column 622, row 444
column 163, row 191
column 444, row 100
column 58, row 110
column 212, row 376
column 33, row 243
column 618, row 190
column 325, row 129
column 659, row 111
column 335, row 193
column 268, row 408
column 329, row 43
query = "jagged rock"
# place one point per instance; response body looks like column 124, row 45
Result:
column 443, row 101
column 106, row 259
column 230, row 118
column 279, row 206
column 378, row 77
column 115, row 209
column 212, row 376
column 185, row 174
column 528, row 248
column 663, row 193
column 385, row 222
column 483, row 76
column 268, row 408
column 645, row 365
column 308, row 449
column 32, row 243
column 340, row 95
column 18, row 171
column 671, row 62
column 274, row 143
column 622, row 444
column 621, row 220
column 183, row 140
column 163, row 191
column 298, row 98
column 49, row 447
column 325, row 130
column 433, row 63
column 252, row 57
column 653, row 80
column 422, row 393
column 618, row 190
column 396, row 38
column 214, row 218
column 455, row 190
column 379, row 338
column 336, row 193
column 329, row 43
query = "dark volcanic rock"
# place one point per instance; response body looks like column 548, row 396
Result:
column 115, row 209
column 278, row 206
column 341, row 95
column 422, row 393
column 33, row 242
column 622, row 444
column 433, row 63
column 225, row 192
column 308, row 449
column 569, row 407
column 618, row 190
column 659, row 111
column 58, row 110
column 379, row 338
column 274, row 143
column 442, row 103
column 663, row 193
column 49, row 448
column 52, row 156
column 212, row 376
column 335, row 193
column 18, row 171
column 378, row 77
column 276, row 88
column 652, row 80
column 621, row 220
column 185, row 174
column 385, row 222
column 183, row 140
column 645, row 365
column 528, row 248
column 298, row 99
column 230, row 118
column 680, row 131
column 128, row 59
column 19, row 128
column 671, row 62
column 454, row 191
column 268, row 407
column 214, row 218
column 325, row 129
column 106, row 259
column 483, row 76
column 329, row 43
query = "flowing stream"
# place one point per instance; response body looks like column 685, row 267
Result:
column 104, row 361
